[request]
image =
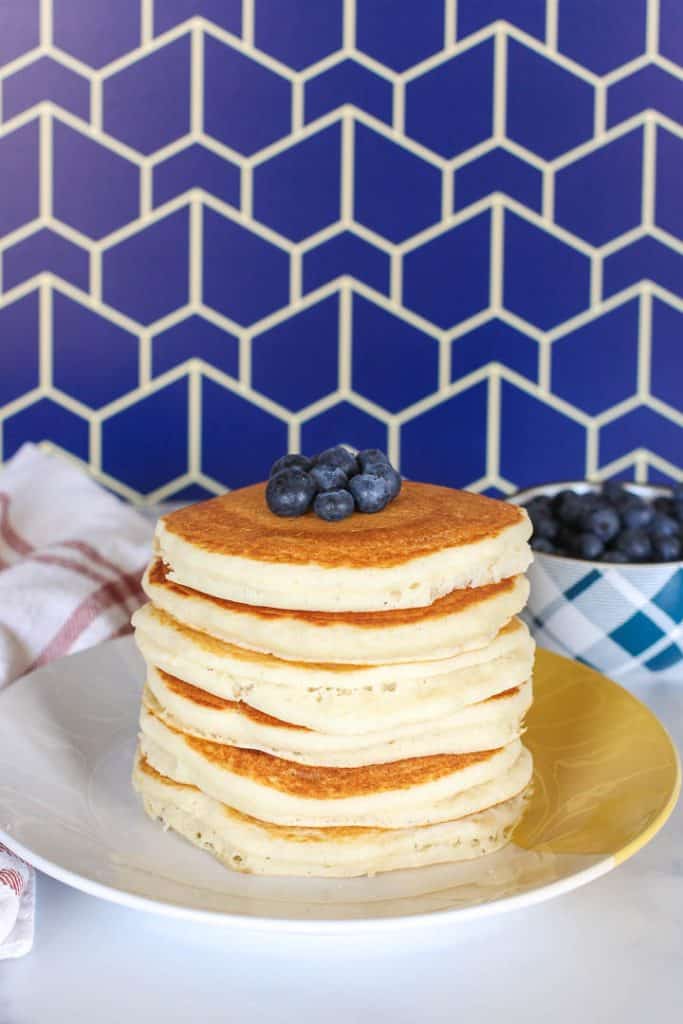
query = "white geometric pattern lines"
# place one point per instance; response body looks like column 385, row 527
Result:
column 518, row 242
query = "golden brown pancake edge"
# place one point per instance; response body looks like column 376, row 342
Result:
column 318, row 782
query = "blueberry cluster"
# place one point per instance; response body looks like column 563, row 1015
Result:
column 612, row 524
column 336, row 482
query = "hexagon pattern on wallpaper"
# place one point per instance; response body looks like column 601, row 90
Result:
column 449, row 227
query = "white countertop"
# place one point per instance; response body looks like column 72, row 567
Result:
column 612, row 951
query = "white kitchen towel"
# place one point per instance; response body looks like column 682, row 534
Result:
column 71, row 559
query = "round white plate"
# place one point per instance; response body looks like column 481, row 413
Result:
column 67, row 737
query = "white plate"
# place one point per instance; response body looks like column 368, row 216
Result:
column 67, row 736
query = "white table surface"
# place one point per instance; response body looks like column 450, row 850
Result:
column 612, row 951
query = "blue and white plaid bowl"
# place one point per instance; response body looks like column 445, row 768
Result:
column 623, row 619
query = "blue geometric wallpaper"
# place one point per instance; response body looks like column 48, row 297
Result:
column 453, row 229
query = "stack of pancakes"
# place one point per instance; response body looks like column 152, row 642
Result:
column 337, row 698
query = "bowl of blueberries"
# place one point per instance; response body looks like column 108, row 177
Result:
column 607, row 576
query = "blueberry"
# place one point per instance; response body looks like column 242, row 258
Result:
column 591, row 500
column 565, row 538
column 291, row 461
column 542, row 544
column 630, row 500
column 371, row 493
column 539, row 510
column 667, row 549
column 663, row 505
column 567, row 506
column 545, row 527
column 663, row 526
column 327, row 477
column 635, row 544
column 559, row 496
column 371, row 456
column 678, row 510
column 333, row 505
column 613, row 490
column 603, row 522
column 290, row 492
column 587, row 545
column 386, row 472
column 614, row 556
column 540, row 505
column 635, row 517
column 341, row 457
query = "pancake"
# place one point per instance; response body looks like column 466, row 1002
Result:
column 415, row 791
column 246, row 844
column 331, row 698
column 157, row 632
column 490, row 724
column 427, row 542
column 462, row 620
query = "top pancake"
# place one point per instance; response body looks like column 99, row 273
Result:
column 427, row 542
column 422, row 520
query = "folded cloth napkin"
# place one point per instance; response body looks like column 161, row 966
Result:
column 71, row 559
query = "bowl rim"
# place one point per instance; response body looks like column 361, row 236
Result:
column 524, row 493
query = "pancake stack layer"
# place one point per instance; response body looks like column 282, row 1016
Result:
column 337, row 698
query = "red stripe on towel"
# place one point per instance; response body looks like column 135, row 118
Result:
column 120, row 585
column 127, row 585
column 131, row 581
column 83, row 616
column 68, row 563
column 12, row 878
column 7, row 531
column 92, row 553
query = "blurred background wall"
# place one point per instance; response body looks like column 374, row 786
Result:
column 452, row 229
